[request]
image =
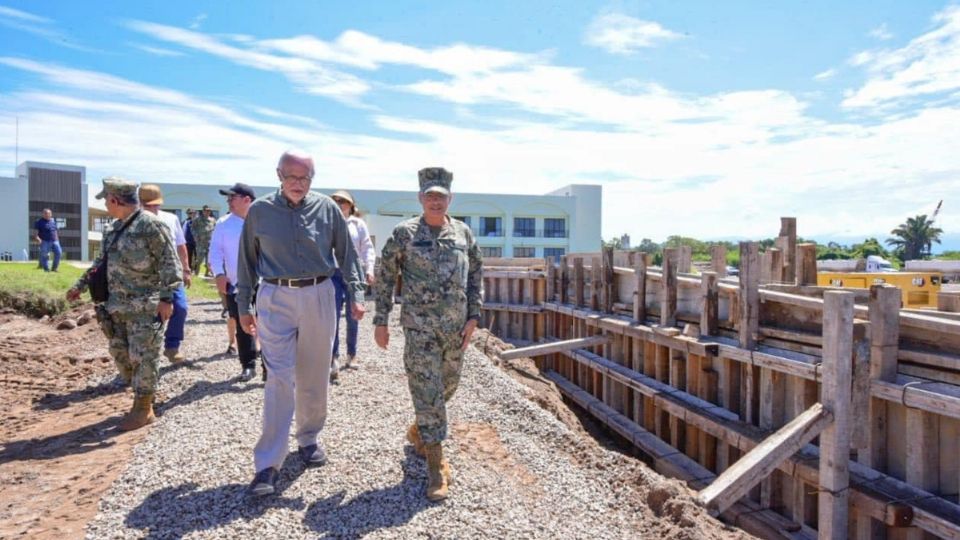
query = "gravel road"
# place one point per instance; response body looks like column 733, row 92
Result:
column 519, row 472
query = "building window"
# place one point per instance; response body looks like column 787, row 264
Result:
column 555, row 228
column 524, row 252
column 554, row 252
column 495, row 251
column 491, row 226
column 524, row 227
column 465, row 219
column 61, row 222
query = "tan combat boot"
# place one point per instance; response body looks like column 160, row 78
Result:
column 436, row 479
column 413, row 437
column 174, row 355
column 140, row 415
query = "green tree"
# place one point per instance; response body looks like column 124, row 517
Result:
column 870, row 246
column 913, row 239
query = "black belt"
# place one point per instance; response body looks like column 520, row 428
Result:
column 297, row 283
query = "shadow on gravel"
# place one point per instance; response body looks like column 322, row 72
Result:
column 372, row 510
column 179, row 511
column 206, row 389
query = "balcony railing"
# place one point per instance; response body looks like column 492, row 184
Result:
column 541, row 233
column 488, row 233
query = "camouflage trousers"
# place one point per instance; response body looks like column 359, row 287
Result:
column 135, row 342
column 433, row 362
column 200, row 259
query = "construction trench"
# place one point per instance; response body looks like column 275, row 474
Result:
column 794, row 411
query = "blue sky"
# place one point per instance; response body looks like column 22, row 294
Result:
column 699, row 118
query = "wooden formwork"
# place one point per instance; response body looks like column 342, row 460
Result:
column 698, row 371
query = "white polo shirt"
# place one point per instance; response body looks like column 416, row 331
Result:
column 173, row 224
column 224, row 247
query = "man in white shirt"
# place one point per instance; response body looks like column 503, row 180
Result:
column 222, row 260
column 151, row 199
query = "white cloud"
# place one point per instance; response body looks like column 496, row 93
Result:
column 927, row 66
column 10, row 13
column 197, row 21
column 881, row 32
column 307, row 75
column 825, row 75
column 622, row 34
column 157, row 51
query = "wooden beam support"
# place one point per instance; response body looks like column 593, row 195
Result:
column 578, row 281
column 640, row 294
column 834, row 497
column 710, row 312
column 764, row 459
column 806, row 264
column 749, row 294
column 718, row 260
column 668, row 288
column 788, row 230
column 554, row 347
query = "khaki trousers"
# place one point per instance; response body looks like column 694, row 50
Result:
column 296, row 328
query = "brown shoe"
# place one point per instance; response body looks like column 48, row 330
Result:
column 413, row 437
column 174, row 355
column 140, row 415
column 437, row 485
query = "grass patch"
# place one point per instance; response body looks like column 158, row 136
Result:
column 203, row 289
column 31, row 291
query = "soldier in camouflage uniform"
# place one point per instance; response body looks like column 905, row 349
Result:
column 202, row 229
column 441, row 267
column 143, row 272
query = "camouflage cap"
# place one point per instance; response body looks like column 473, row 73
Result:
column 435, row 179
column 120, row 187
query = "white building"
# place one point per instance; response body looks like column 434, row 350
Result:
column 63, row 189
column 506, row 225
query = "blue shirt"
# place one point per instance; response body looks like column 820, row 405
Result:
column 291, row 242
column 188, row 232
column 47, row 229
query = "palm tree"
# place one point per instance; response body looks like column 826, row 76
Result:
column 912, row 240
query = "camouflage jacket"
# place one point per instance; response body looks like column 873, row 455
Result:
column 442, row 276
column 142, row 266
column 202, row 228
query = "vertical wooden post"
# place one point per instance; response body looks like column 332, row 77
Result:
column 668, row 288
column 578, row 281
column 788, row 229
column 772, row 392
column 640, row 300
column 684, row 259
column 564, row 280
column 637, row 365
column 595, row 284
column 835, row 396
column 609, row 281
column 650, row 351
column 709, row 313
column 551, row 276
column 749, row 294
column 776, row 265
column 806, row 265
column 749, row 321
column 718, row 260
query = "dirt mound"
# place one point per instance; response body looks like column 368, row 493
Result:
column 59, row 446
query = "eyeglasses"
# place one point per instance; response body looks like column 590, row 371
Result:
column 298, row 179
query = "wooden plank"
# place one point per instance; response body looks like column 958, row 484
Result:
column 763, row 460
column 718, row 260
column 884, row 315
column 554, row 347
column 517, row 308
column 551, row 279
column 684, row 259
column 609, row 283
column 668, row 288
column 595, row 272
column 788, row 230
column 710, row 312
column 835, row 396
column 578, row 282
column 749, row 294
column 772, row 415
column 806, row 264
column 922, row 439
column 640, row 294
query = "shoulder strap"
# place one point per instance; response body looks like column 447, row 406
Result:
column 120, row 231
